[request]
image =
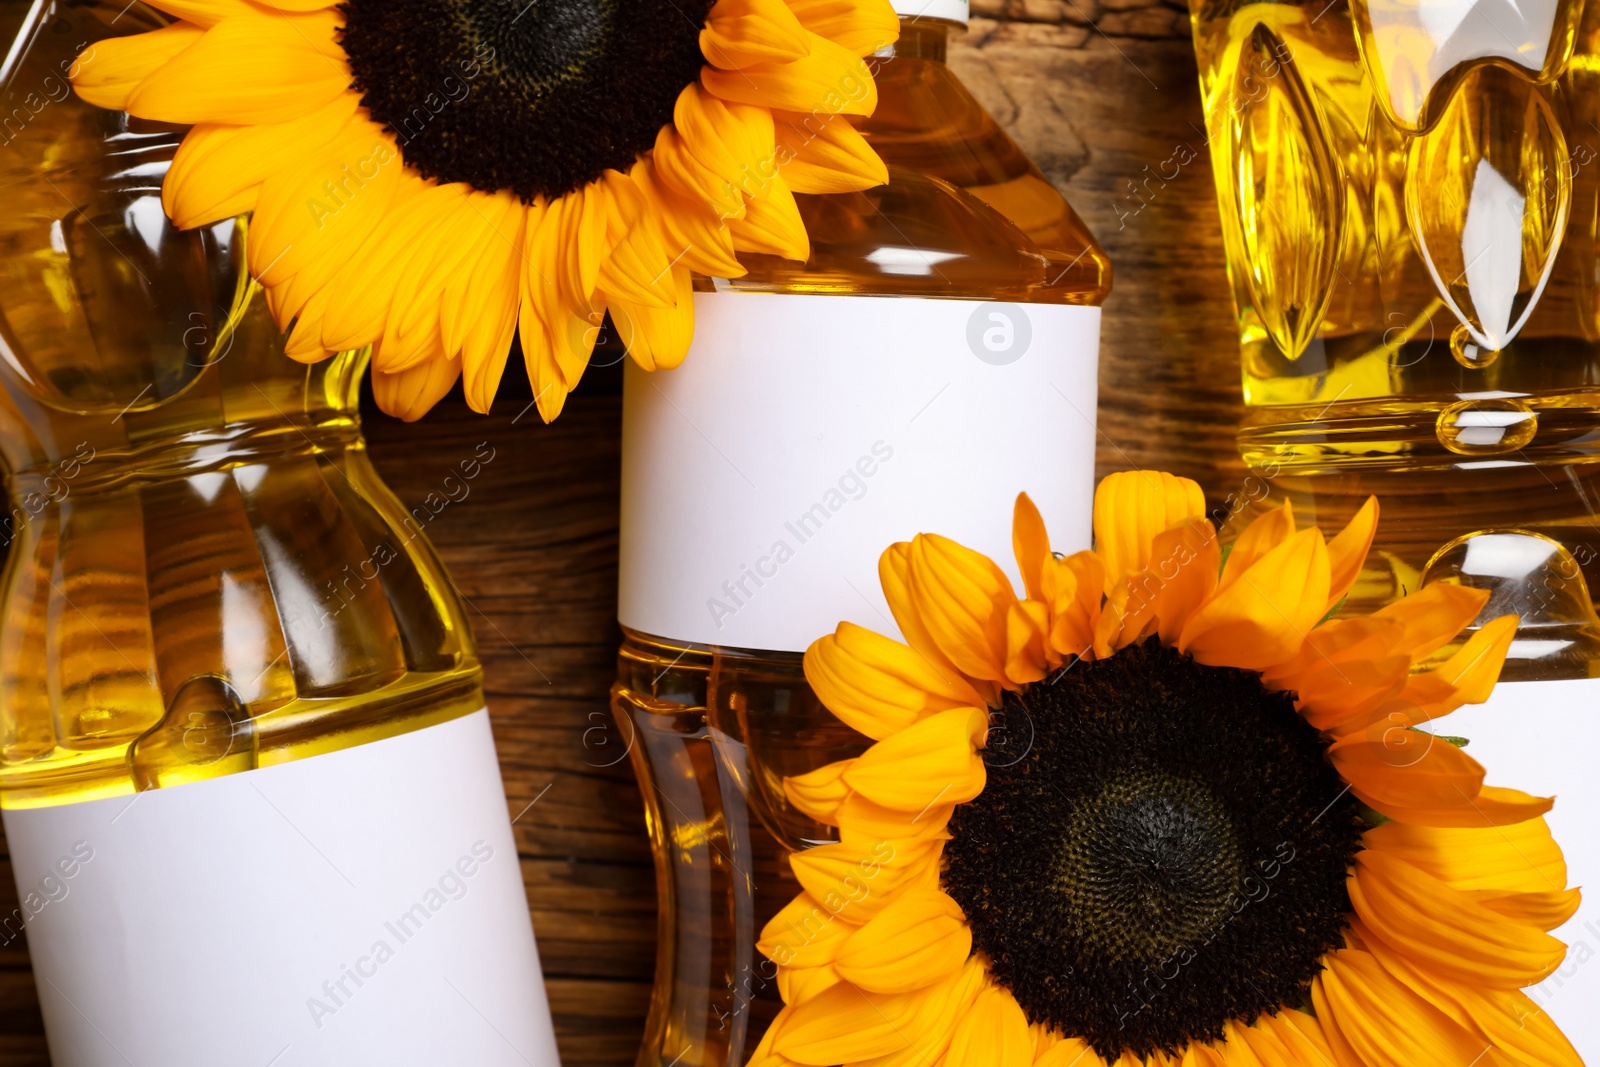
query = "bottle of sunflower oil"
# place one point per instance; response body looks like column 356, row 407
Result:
column 1409, row 202
column 249, row 788
column 934, row 354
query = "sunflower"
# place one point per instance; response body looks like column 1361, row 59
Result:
column 433, row 178
column 1161, row 810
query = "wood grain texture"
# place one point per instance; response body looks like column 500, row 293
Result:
column 1102, row 93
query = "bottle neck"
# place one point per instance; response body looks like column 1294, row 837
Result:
column 920, row 38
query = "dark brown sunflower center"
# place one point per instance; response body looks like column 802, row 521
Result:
column 533, row 96
column 1161, row 847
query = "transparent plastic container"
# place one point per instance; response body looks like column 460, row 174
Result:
column 714, row 729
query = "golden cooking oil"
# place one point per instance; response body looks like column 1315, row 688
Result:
column 1410, row 194
column 242, row 726
column 967, row 247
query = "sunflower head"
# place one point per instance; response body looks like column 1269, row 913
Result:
column 1161, row 808
column 435, row 180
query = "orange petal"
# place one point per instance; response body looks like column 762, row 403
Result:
column 218, row 169
column 819, row 793
column 1446, row 930
column 658, row 338
column 962, row 598
column 1392, row 766
column 862, row 26
column 772, row 225
column 693, row 234
column 879, row 686
column 1130, row 509
column 829, row 78
column 1030, row 544
column 411, row 393
column 1348, row 551
column 1028, row 656
column 1491, row 807
column 740, row 33
column 857, row 878
column 852, row 1025
column 934, row 761
column 107, row 72
column 1259, row 538
column 1433, row 616
column 992, row 1033
column 803, row 934
column 248, row 69
column 919, row 939
column 1263, row 617
column 823, row 153
column 1367, row 1011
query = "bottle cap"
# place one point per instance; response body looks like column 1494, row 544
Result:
column 953, row 10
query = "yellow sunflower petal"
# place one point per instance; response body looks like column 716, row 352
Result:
column 1492, row 807
column 419, row 222
column 829, row 78
column 1071, row 1052
column 1297, row 1034
column 1382, row 1021
column 1074, row 586
column 804, row 934
column 894, row 574
column 324, row 206
column 855, row 879
column 411, row 393
column 206, row 13
column 845, row 1024
column 538, row 357
column 1184, row 560
column 658, row 338
column 879, row 686
column 1127, row 615
column 694, row 235
column 739, row 33
column 218, row 169
column 934, row 761
column 489, row 305
column 991, row 1033
column 1519, row 858
column 819, row 793
column 1030, row 543
column 636, row 267
column 772, row 226
column 1405, row 769
column 861, row 26
column 962, row 598
column 1028, row 655
column 1445, row 929
column 861, row 819
column 1348, row 551
column 248, row 69
column 919, row 939
column 1130, row 508
column 1433, row 616
column 1259, row 538
column 823, row 153
column 1508, row 1019
column 1263, row 617
column 108, row 72
column 804, row 983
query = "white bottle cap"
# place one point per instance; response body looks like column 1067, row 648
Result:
column 953, row 10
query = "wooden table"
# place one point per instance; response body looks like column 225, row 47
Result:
column 1102, row 93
